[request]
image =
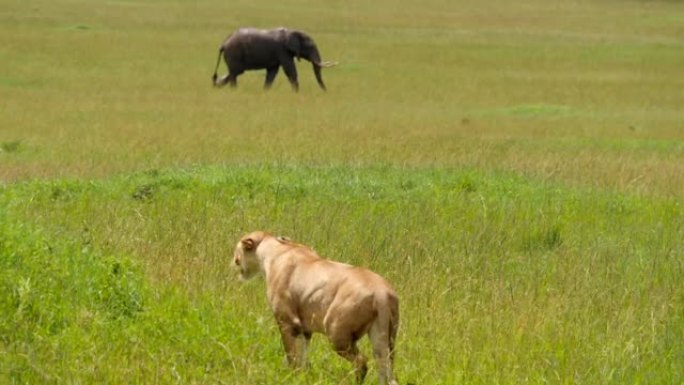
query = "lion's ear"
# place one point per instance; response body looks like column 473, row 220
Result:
column 247, row 244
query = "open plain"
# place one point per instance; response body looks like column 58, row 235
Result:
column 515, row 168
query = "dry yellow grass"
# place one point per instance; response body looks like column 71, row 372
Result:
column 582, row 92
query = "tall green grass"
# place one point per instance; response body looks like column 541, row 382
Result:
column 72, row 314
column 501, row 279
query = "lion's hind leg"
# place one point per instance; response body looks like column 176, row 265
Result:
column 347, row 349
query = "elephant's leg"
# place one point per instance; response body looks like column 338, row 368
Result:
column 291, row 72
column 233, row 73
column 270, row 75
column 232, row 80
column 220, row 82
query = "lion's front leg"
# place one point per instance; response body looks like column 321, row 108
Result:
column 289, row 344
column 292, row 331
column 295, row 344
column 302, row 348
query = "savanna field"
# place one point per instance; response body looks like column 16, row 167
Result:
column 514, row 168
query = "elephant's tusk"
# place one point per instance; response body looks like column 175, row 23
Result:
column 327, row 64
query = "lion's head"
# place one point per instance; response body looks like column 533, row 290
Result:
column 245, row 257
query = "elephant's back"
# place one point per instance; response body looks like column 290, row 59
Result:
column 249, row 36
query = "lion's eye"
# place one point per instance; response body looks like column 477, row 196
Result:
column 237, row 261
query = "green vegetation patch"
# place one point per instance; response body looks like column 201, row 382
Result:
column 10, row 146
column 56, row 296
column 72, row 314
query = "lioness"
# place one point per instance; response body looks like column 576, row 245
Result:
column 309, row 294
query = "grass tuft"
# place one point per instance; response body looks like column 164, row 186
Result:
column 11, row 146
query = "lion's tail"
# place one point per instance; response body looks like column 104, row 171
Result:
column 383, row 334
column 393, row 323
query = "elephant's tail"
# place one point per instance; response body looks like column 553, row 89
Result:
column 218, row 61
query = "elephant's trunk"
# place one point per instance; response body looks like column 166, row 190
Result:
column 315, row 59
column 319, row 78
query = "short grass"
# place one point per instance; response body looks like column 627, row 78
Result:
column 582, row 92
column 516, row 169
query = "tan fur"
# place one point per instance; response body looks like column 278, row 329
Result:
column 309, row 294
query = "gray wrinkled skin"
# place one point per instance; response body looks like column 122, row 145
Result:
column 256, row 49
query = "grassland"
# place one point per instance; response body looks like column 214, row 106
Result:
column 515, row 168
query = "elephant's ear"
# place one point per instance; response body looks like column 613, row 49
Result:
column 294, row 43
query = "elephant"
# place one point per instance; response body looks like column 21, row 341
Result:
column 256, row 49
